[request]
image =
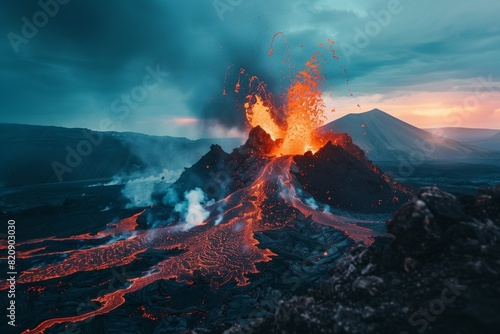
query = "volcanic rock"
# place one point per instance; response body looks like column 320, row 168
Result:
column 218, row 173
column 449, row 285
column 259, row 141
column 201, row 173
column 336, row 177
column 421, row 224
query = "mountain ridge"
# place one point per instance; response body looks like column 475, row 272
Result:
column 488, row 139
column 38, row 154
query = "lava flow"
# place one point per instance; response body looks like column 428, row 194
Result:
column 227, row 251
column 223, row 248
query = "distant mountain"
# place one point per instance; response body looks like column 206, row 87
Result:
column 491, row 143
column 484, row 138
column 386, row 138
column 32, row 154
column 464, row 135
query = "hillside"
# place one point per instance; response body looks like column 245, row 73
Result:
column 32, row 154
column 491, row 143
column 463, row 134
column 488, row 139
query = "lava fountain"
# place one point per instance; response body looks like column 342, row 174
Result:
column 303, row 110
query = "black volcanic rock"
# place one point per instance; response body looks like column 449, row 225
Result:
column 450, row 285
column 486, row 205
column 259, row 141
column 219, row 173
column 336, row 177
column 203, row 173
column 420, row 225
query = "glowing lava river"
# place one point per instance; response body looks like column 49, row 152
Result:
column 224, row 252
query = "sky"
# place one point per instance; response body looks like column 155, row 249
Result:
column 160, row 67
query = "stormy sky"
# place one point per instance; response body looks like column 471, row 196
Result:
column 160, row 66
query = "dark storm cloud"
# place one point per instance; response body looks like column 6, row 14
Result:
column 92, row 52
column 88, row 48
column 96, row 50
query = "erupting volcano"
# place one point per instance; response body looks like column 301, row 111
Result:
column 286, row 177
column 294, row 124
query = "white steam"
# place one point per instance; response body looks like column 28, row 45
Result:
column 140, row 194
column 192, row 209
column 312, row 203
column 140, row 188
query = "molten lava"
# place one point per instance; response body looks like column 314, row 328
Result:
column 303, row 110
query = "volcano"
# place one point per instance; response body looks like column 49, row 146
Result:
column 234, row 234
column 338, row 175
column 220, row 241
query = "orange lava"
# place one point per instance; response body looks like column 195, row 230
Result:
column 304, row 112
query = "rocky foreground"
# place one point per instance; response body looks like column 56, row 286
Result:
column 440, row 274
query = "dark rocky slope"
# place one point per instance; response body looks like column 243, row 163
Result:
column 439, row 274
column 336, row 177
column 338, row 174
